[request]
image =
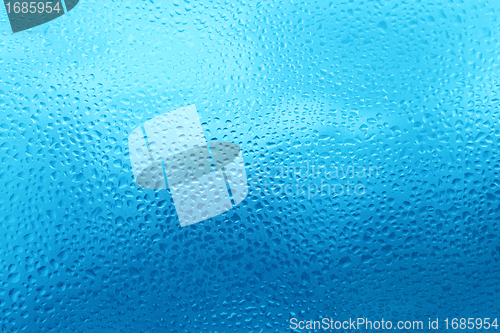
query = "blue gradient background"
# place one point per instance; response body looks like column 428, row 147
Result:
column 410, row 88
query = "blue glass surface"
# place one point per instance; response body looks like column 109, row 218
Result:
column 370, row 134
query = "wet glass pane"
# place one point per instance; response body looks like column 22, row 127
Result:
column 249, row 166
